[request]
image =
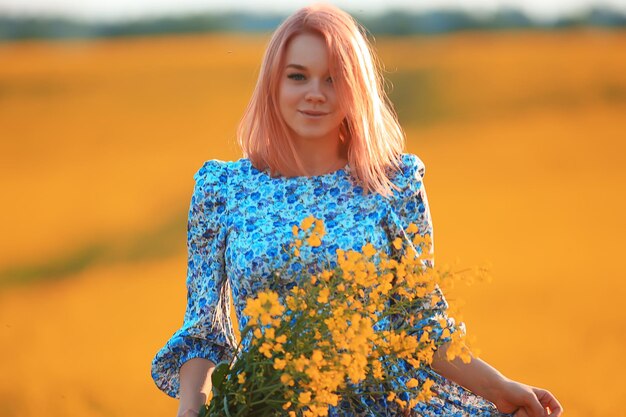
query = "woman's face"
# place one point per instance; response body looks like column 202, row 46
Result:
column 306, row 95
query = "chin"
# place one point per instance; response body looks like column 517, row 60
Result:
column 311, row 136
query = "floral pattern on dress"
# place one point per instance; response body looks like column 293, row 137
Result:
column 238, row 232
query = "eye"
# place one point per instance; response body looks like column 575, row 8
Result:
column 296, row 76
column 330, row 80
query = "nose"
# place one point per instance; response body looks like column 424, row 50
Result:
column 314, row 92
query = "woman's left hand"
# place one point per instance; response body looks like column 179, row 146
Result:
column 526, row 401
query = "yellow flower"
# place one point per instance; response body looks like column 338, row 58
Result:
column 377, row 370
column 425, row 394
column 400, row 402
column 304, row 397
column 412, row 383
column 323, row 296
column 307, row 223
column 241, row 377
column 427, row 384
column 348, row 347
column 319, row 227
column 265, row 305
column 279, row 363
column 314, row 241
column 286, row 379
column 317, row 357
column 326, row 275
column 368, row 250
column 313, row 373
column 287, row 405
column 278, row 347
column 266, row 349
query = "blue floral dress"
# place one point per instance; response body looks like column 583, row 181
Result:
column 240, row 224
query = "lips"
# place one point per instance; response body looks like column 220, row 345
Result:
column 313, row 113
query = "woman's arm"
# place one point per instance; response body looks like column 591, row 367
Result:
column 477, row 376
column 483, row 379
column 195, row 386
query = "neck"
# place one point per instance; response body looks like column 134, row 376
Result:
column 320, row 157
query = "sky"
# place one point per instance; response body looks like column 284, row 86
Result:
column 130, row 9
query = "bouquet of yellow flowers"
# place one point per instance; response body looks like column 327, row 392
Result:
column 325, row 339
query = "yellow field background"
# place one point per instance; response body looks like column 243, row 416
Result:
column 523, row 136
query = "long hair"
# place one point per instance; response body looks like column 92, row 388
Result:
column 370, row 131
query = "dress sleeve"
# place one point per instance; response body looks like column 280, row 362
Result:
column 410, row 205
column 199, row 337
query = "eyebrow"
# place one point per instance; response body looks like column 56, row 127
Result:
column 296, row 66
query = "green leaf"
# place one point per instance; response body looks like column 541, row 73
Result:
column 219, row 375
column 226, row 406
column 204, row 411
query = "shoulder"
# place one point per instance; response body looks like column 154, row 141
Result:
column 410, row 175
column 412, row 166
column 212, row 173
column 213, row 185
column 218, row 173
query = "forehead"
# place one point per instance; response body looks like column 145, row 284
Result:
column 308, row 50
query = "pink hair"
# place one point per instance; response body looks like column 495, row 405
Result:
column 370, row 131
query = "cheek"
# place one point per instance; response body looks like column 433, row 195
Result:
column 334, row 99
column 338, row 119
column 287, row 96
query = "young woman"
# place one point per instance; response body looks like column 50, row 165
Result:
column 319, row 137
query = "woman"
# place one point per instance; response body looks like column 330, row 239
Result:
column 321, row 138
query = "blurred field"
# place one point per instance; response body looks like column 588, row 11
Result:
column 522, row 135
